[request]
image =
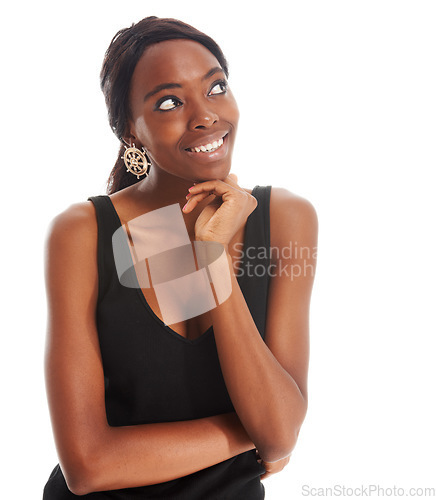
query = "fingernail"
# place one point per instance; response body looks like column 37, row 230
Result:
column 192, row 187
column 184, row 206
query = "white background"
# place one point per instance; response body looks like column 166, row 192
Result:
column 338, row 104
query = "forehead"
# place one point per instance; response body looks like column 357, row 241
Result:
column 173, row 61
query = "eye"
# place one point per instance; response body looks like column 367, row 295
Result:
column 218, row 88
column 168, row 103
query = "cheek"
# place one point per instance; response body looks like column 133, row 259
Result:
column 156, row 134
column 236, row 116
column 233, row 110
column 142, row 131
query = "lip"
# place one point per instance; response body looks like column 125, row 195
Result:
column 213, row 155
column 208, row 139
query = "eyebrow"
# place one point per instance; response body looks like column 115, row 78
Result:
column 164, row 86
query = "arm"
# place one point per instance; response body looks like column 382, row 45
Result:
column 93, row 455
column 267, row 381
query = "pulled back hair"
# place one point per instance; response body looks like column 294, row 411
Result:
column 121, row 57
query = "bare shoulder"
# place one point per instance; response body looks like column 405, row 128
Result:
column 292, row 215
column 294, row 207
column 71, row 269
column 77, row 223
column 72, row 233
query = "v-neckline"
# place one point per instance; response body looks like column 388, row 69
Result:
column 147, row 306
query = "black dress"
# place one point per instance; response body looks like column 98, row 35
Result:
column 153, row 374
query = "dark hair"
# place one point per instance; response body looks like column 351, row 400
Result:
column 124, row 52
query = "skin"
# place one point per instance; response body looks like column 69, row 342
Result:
column 95, row 456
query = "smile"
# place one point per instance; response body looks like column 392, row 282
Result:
column 207, row 148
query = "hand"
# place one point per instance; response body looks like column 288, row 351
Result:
column 223, row 216
column 272, row 467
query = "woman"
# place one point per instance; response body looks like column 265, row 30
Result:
column 207, row 406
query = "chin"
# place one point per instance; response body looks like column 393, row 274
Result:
column 213, row 175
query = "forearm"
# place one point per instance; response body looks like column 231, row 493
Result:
column 265, row 396
column 147, row 454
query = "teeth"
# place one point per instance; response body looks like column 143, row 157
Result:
column 208, row 147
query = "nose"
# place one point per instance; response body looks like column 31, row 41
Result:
column 202, row 117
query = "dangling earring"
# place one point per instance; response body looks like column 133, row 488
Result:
column 136, row 161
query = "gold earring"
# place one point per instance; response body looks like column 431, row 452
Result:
column 136, row 161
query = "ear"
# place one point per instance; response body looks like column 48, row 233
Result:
column 129, row 138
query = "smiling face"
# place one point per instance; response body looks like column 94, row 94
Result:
column 182, row 111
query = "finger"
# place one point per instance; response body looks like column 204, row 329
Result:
column 232, row 179
column 194, row 200
column 200, row 195
column 216, row 187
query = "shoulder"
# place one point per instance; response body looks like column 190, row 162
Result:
column 293, row 207
column 75, row 227
column 292, row 216
column 70, row 259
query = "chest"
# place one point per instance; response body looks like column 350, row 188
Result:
column 182, row 295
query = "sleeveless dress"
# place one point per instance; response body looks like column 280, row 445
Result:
column 153, row 374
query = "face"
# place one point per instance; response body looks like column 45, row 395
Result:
column 182, row 111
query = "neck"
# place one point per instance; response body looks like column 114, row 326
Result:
column 161, row 189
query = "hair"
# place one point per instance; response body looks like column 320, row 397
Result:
column 121, row 57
